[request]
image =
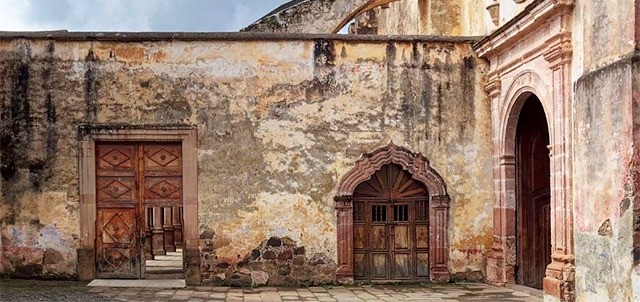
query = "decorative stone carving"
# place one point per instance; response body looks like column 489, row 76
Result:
column 416, row 164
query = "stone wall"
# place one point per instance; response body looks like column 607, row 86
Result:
column 434, row 17
column 279, row 122
column 606, row 117
column 604, row 209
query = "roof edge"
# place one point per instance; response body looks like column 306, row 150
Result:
column 64, row 35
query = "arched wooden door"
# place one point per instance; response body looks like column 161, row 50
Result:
column 533, row 207
column 391, row 227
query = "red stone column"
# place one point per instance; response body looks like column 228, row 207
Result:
column 167, row 226
column 158, row 232
column 344, row 212
column 177, row 227
column 439, row 239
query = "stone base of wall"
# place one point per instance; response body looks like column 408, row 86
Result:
column 32, row 262
column 275, row 262
column 469, row 276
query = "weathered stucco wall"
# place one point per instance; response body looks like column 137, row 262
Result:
column 433, row 17
column 606, row 119
column 279, row 123
column 604, row 209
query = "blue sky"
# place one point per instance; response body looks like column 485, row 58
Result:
column 132, row 15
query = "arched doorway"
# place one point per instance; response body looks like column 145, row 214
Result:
column 391, row 227
column 383, row 193
column 533, row 221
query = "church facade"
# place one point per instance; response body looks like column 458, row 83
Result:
column 439, row 141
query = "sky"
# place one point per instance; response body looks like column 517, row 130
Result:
column 132, row 15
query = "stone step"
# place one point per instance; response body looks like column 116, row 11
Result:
column 164, row 270
column 164, row 283
column 164, row 276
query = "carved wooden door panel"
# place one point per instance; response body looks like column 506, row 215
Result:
column 163, row 175
column 401, row 241
column 132, row 178
column 118, row 253
column 391, row 227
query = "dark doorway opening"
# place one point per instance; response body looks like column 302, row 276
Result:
column 533, row 218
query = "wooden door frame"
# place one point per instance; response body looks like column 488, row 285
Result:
column 418, row 166
column 89, row 135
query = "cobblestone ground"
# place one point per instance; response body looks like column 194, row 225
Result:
column 18, row 290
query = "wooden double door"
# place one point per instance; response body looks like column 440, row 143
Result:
column 391, row 227
column 130, row 178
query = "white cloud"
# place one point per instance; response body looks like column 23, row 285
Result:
column 131, row 15
column 13, row 16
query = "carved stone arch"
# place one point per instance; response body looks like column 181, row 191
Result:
column 525, row 84
column 418, row 166
column 313, row 16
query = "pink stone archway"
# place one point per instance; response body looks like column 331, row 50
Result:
column 418, row 166
column 532, row 56
column 525, row 83
column 502, row 258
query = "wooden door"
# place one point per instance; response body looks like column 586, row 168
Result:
column 391, row 240
column 117, row 224
column 533, row 208
column 131, row 178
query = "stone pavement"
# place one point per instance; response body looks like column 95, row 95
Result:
column 18, row 290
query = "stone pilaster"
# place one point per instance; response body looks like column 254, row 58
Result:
column 344, row 209
column 439, row 238
column 559, row 280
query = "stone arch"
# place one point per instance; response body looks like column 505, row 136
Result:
column 313, row 16
column 524, row 85
column 418, row 166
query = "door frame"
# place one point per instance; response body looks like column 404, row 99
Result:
column 88, row 136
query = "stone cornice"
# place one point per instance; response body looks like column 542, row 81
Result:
column 533, row 16
column 64, row 35
column 494, row 86
column 559, row 49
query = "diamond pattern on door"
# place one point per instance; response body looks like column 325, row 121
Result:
column 116, row 259
column 164, row 188
column 117, row 229
column 163, row 157
column 115, row 158
column 115, row 189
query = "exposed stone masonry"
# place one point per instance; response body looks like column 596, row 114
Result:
column 275, row 262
